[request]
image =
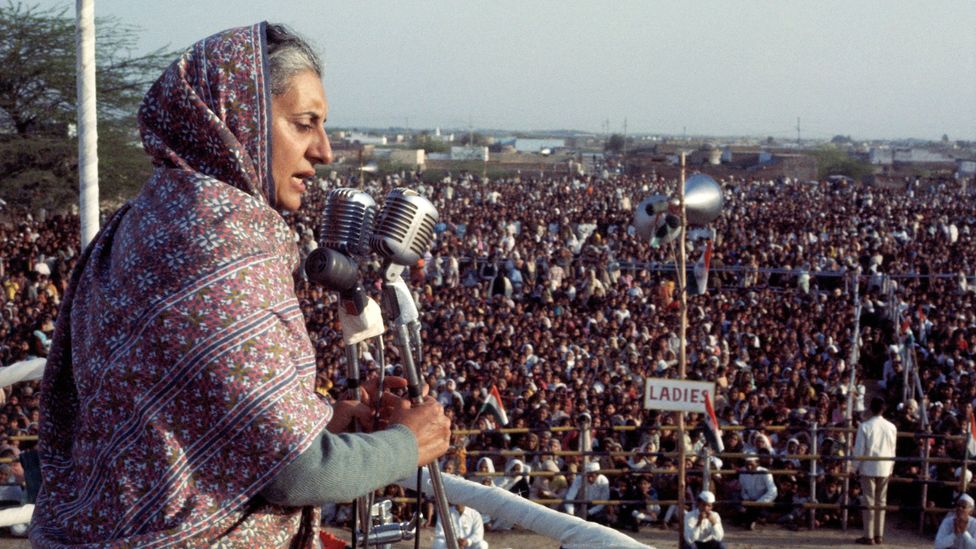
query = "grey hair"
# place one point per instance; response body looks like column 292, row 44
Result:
column 288, row 55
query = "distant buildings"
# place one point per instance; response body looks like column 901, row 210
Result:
column 912, row 161
column 467, row 153
column 534, row 145
column 665, row 158
column 886, row 156
column 573, row 153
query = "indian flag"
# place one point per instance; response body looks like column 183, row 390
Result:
column 494, row 401
column 971, row 443
column 712, row 431
column 701, row 270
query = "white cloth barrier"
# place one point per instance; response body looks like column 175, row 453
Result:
column 572, row 532
column 25, row 370
column 16, row 515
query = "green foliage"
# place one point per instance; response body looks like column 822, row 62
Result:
column 123, row 167
column 37, row 106
column 427, row 142
column 474, row 138
column 616, row 143
column 833, row 161
column 38, row 172
column 38, row 54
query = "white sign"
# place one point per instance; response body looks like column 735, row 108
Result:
column 677, row 395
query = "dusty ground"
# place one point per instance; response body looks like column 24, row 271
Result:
column 768, row 537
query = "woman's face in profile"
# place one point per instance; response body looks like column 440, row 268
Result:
column 298, row 140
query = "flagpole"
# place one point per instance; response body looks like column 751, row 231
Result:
column 706, row 454
column 87, row 120
column 682, row 350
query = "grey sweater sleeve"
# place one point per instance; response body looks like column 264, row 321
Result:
column 339, row 468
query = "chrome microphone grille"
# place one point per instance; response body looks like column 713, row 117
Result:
column 347, row 221
column 404, row 227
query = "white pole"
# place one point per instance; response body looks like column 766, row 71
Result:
column 682, row 348
column 572, row 532
column 87, row 120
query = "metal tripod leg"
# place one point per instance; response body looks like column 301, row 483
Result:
column 362, row 503
column 413, row 383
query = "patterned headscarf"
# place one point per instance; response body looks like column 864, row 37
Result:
column 181, row 377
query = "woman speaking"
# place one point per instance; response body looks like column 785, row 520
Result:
column 178, row 404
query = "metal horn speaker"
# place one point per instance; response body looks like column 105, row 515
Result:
column 703, row 199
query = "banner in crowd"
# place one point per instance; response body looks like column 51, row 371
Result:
column 713, row 433
column 493, row 403
column 677, row 395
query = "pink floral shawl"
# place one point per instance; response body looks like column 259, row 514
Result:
column 181, row 376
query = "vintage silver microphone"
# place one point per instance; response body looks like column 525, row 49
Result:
column 404, row 227
column 404, row 230
column 347, row 222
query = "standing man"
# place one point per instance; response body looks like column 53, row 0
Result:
column 875, row 439
column 703, row 527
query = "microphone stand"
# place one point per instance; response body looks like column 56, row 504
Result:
column 361, row 319
column 399, row 304
column 358, row 322
column 363, row 503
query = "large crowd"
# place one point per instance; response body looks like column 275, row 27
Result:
column 537, row 286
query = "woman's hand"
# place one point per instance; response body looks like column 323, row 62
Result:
column 345, row 411
column 427, row 421
column 430, row 426
column 369, row 391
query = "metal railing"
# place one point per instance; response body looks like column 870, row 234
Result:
column 814, row 471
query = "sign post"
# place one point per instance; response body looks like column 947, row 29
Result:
column 677, row 395
column 682, row 348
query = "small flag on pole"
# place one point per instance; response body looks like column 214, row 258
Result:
column 712, row 431
column 971, row 444
column 701, row 270
column 494, row 401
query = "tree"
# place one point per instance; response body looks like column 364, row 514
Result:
column 615, row 143
column 474, row 138
column 833, row 161
column 37, row 105
column 425, row 141
column 37, row 85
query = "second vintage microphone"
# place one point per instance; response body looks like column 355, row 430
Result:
column 404, row 230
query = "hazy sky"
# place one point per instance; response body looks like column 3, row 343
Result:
column 880, row 68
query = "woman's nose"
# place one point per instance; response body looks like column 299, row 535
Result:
column 321, row 151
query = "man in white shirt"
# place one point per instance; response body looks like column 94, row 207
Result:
column 597, row 488
column 958, row 529
column 703, row 527
column 875, row 438
column 757, row 485
column 468, row 527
